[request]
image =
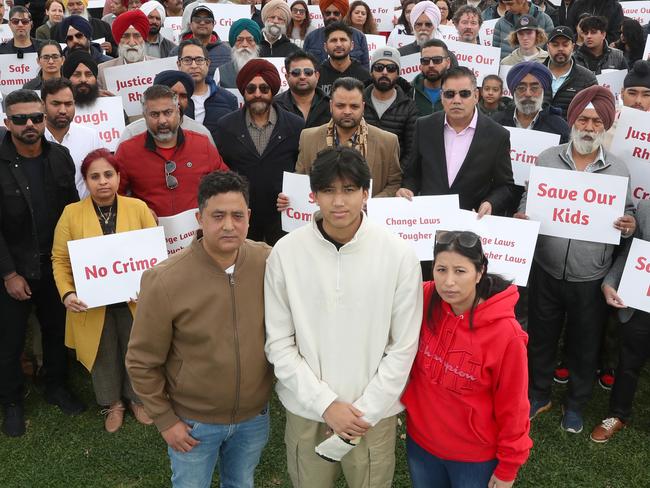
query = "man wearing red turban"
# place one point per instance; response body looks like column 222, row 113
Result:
column 130, row 30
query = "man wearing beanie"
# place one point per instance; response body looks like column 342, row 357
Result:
column 260, row 142
column 155, row 44
column 20, row 23
column 334, row 11
column 201, row 27
column 130, row 29
column 80, row 68
column 78, row 35
column 567, row 274
column 386, row 104
column 99, row 27
column 244, row 36
column 276, row 16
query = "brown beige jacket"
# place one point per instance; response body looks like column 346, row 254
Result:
column 197, row 344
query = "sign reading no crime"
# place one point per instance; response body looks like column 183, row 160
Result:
column 106, row 116
column 634, row 288
column 631, row 144
column 525, row 147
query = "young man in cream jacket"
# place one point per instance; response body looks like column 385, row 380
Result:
column 343, row 303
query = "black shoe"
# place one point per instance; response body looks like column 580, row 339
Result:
column 14, row 422
column 66, row 401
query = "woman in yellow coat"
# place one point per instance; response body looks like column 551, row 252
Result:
column 100, row 335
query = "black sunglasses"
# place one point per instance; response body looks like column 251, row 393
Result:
column 433, row 59
column 451, row 94
column 170, row 180
column 72, row 37
column 252, row 88
column 465, row 239
column 21, row 119
column 296, row 72
column 379, row 67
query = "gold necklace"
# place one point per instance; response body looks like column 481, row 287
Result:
column 104, row 217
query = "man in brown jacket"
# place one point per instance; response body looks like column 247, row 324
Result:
column 200, row 316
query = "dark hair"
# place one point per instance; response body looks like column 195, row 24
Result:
column 156, row 92
column 435, row 43
column 488, row 285
column 96, row 154
column 300, row 55
column 402, row 17
column 192, row 42
column 458, row 72
column 450, row 9
column 55, row 85
column 634, row 39
column 21, row 96
column 347, row 83
column 49, row 42
column 219, row 182
column 496, row 78
column 594, row 22
column 49, row 3
column 342, row 163
column 305, row 23
column 370, row 25
column 467, row 9
column 19, row 9
column 338, row 26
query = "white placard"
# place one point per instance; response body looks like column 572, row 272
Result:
column 503, row 74
column 508, row 243
column 174, row 26
column 631, row 144
column 107, row 269
column 399, row 40
column 279, row 65
column 416, row 221
column 525, row 147
column 235, row 91
column 612, row 80
column 575, row 204
column 383, row 12
column 129, row 81
column 486, row 32
column 106, row 116
column 302, row 204
column 374, row 42
column 410, row 66
column 15, row 72
column 5, row 33
column 449, row 33
column 225, row 14
column 316, row 16
column 646, row 51
column 634, row 288
column 179, row 230
column 482, row 60
column 96, row 4
column 637, row 10
column 556, row 2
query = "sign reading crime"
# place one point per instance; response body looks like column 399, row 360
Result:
column 225, row 14
column 180, row 229
column 634, row 288
column 106, row 116
column 525, row 146
column 15, row 71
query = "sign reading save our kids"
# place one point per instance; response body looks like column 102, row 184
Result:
column 634, row 288
column 107, row 269
column 576, row 205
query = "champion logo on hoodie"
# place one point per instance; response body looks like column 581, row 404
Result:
column 456, row 370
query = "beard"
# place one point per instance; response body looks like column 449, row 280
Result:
column 274, row 31
column 242, row 55
column 384, row 84
column 346, row 123
column 28, row 136
column 60, row 122
column 85, row 94
column 258, row 106
column 164, row 134
column 529, row 106
column 131, row 54
column 154, row 30
column 433, row 76
column 586, row 142
column 422, row 38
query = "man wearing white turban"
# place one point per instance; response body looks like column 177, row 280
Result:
column 155, row 44
column 425, row 19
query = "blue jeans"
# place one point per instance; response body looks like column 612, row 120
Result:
column 238, row 448
column 428, row 470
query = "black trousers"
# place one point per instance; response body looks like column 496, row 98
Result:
column 584, row 307
column 635, row 351
column 51, row 317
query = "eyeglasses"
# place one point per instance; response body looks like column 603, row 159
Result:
column 299, row 11
column 296, row 72
column 202, row 20
column 379, row 68
column 170, row 180
column 418, row 25
column 433, row 59
column 21, row 119
column 329, row 13
column 72, row 37
column 535, row 88
column 21, row 21
column 465, row 239
column 50, row 57
column 188, row 60
column 451, row 94
column 252, row 88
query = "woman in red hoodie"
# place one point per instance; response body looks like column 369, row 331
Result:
column 467, row 401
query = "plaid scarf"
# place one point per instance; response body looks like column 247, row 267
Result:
column 358, row 141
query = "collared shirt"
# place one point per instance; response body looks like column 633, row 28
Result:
column 261, row 135
column 592, row 167
column 532, row 122
column 457, row 146
column 559, row 81
column 79, row 140
column 153, row 48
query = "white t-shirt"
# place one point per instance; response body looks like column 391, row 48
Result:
column 199, row 106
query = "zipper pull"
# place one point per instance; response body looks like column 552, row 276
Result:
column 231, row 279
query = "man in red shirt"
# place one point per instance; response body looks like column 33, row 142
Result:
column 163, row 166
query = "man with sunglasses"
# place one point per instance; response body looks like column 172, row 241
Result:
column 387, row 106
column 435, row 60
column 37, row 183
column 78, row 34
column 99, row 27
column 304, row 98
column 163, row 166
column 20, row 23
column 260, row 142
column 334, row 11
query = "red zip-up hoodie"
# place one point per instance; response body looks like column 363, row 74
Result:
column 467, row 397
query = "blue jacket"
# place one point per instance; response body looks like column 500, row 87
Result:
column 219, row 103
column 315, row 41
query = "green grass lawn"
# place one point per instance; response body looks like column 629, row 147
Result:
column 70, row 452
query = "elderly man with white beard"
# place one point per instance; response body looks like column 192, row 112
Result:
column 425, row 19
column 244, row 37
column 275, row 43
column 567, row 274
column 130, row 29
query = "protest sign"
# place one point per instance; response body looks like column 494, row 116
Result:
column 399, row 40
column 634, row 288
column 415, row 221
column 301, row 201
column 576, row 205
column 173, row 27
column 129, row 81
column 15, row 72
column 95, row 4
column 637, row 10
column 374, row 42
column 525, row 147
column 316, row 16
column 382, row 11
column 503, row 74
column 107, row 269
column 5, row 33
column 486, row 31
column 482, row 60
column 106, row 116
column 508, row 243
column 240, row 98
column 279, row 65
column 612, row 80
column 225, row 14
column 631, row 144
column 646, row 51
column 410, row 66
column 449, row 33
column 179, row 230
